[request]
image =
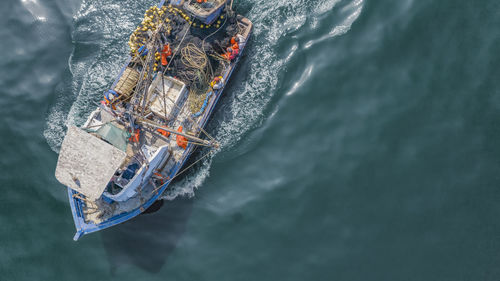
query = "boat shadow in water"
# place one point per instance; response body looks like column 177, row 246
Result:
column 147, row 240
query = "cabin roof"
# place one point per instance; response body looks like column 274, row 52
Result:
column 86, row 163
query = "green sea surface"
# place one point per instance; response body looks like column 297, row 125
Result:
column 359, row 142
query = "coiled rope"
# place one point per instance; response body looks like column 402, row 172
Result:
column 198, row 69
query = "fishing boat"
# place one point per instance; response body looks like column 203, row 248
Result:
column 152, row 118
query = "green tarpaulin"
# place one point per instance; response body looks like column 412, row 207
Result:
column 114, row 135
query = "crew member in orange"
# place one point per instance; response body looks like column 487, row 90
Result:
column 163, row 132
column 134, row 137
column 181, row 140
column 165, row 53
column 235, row 43
column 233, row 51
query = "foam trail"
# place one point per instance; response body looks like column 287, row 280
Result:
column 352, row 10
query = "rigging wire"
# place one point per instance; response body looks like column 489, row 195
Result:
column 181, row 172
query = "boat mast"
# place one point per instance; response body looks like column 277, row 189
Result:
column 211, row 143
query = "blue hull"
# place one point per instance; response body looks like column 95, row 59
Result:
column 83, row 227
